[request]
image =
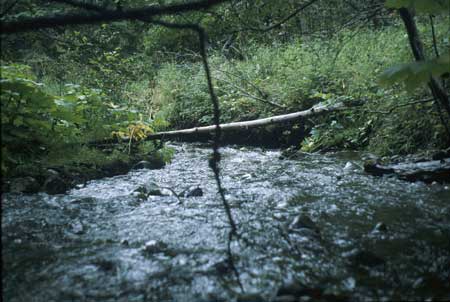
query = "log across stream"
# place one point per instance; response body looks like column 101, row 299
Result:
column 245, row 125
column 267, row 132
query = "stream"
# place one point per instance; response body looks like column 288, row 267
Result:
column 316, row 227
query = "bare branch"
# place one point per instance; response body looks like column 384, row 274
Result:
column 278, row 24
column 290, row 16
column 214, row 161
column 390, row 110
column 27, row 24
column 247, row 94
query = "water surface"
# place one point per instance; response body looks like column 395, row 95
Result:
column 89, row 245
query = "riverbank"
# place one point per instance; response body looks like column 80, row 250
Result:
column 56, row 175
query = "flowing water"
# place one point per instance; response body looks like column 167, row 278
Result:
column 309, row 222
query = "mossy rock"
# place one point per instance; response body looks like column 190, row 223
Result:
column 115, row 167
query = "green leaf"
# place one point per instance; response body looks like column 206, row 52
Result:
column 416, row 73
column 422, row 6
column 18, row 121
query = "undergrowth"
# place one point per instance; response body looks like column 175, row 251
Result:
column 284, row 78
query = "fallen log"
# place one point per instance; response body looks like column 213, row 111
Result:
column 244, row 125
column 316, row 110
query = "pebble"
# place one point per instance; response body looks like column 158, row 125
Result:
column 154, row 246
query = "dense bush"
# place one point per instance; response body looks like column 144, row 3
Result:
column 36, row 123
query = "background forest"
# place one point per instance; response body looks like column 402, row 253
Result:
column 64, row 87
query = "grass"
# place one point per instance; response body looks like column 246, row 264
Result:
column 290, row 77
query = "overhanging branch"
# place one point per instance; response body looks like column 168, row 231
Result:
column 27, row 24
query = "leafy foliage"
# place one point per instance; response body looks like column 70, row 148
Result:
column 422, row 6
column 415, row 73
column 136, row 132
column 35, row 121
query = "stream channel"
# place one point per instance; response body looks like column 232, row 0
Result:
column 313, row 230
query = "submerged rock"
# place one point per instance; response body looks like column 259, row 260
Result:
column 292, row 153
column 149, row 189
column 116, row 167
column 153, row 246
column 125, row 243
column 440, row 155
column 302, row 221
column 26, row 184
column 303, row 226
column 193, row 192
column 349, row 166
column 156, row 162
column 151, row 164
column 366, row 258
column 429, row 171
column 379, row 227
column 55, row 184
column 143, row 164
column 105, row 265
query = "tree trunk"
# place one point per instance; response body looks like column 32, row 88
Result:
column 416, row 46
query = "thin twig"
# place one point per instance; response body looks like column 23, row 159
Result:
column 433, row 34
column 247, row 94
column 390, row 110
column 214, row 161
column 241, row 77
column 278, row 24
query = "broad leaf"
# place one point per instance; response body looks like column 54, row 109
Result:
column 416, row 73
column 422, row 6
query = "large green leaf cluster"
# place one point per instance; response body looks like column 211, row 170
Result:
column 414, row 74
column 422, row 6
column 33, row 121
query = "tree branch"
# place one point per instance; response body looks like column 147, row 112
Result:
column 247, row 94
column 215, row 159
column 278, row 24
column 27, row 24
column 391, row 109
